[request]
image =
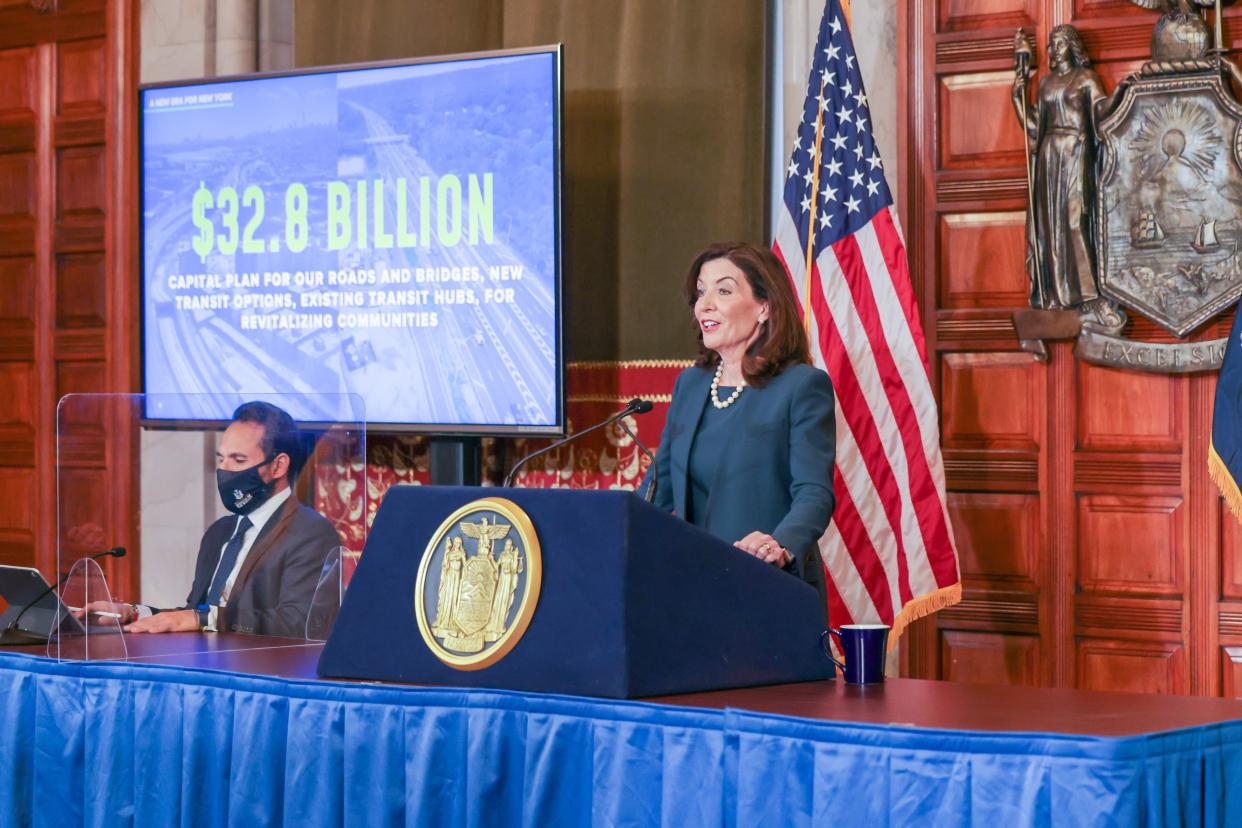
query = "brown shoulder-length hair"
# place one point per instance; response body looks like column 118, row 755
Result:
column 782, row 340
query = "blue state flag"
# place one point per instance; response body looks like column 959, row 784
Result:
column 1225, row 453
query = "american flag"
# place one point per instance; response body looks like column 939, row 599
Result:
column 888, row 553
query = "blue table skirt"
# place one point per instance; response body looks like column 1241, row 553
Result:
column 112, row 744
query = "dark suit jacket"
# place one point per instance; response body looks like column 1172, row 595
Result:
column 273, row 591
column 774, row 477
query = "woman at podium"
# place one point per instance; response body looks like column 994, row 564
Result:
column 748, row 446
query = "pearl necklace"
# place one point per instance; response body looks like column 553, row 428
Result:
column 737, row 392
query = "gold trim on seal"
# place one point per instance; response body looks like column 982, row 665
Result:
column 532, row 561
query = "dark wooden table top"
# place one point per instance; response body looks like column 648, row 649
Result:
column 986, row 707
column 905, row 702
column 257, row 654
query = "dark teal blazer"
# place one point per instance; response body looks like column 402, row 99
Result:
column 774, row 477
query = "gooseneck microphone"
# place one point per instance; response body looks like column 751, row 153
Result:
column 115, row 552
column 635, row 406
column 655, row 477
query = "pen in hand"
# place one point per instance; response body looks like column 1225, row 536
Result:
column 100, row 613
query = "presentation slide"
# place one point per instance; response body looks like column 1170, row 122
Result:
column 389, row 232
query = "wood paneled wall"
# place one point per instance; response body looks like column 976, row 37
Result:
column 68, row 274
column 1094, row 549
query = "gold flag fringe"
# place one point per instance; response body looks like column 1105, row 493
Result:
column 1224, row 481
column 923, row 606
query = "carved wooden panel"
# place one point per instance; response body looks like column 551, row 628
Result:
column 984, row 48
column 1111, row 471
column 964, row 15
column 991, row 471
column 1143, row 618
column 81, row 300
column 80, row 183
column 17, row 516
column 18, row 395
column 17, row 292
column 80, row 76
column 995, row 188
column 973, row 132
column 989, row 658
column 1132, row 666
column 981, row 260
column 17, row 100
column 1131, row 544
column 997, row 536
column 17, row 185
column 17, row 82
column 989, row 401
column 993, row 610
column 1129, row 410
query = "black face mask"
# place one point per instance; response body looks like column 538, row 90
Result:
column 243, row 491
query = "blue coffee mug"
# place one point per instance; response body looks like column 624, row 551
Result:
column 864, row 647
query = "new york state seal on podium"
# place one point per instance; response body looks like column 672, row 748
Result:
column 478, row 583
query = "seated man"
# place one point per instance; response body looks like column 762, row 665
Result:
column 257, row 569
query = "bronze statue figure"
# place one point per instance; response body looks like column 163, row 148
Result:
column 1059, row 131
column 1135, row 197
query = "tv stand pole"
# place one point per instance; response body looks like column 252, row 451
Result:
column 456, row 461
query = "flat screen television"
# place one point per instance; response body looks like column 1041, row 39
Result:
column 386, row 230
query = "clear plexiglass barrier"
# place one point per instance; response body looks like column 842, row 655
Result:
column 87, row 627
column 334, row 579
column 215, row 521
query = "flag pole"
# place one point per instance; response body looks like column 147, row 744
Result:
column 810, row 229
